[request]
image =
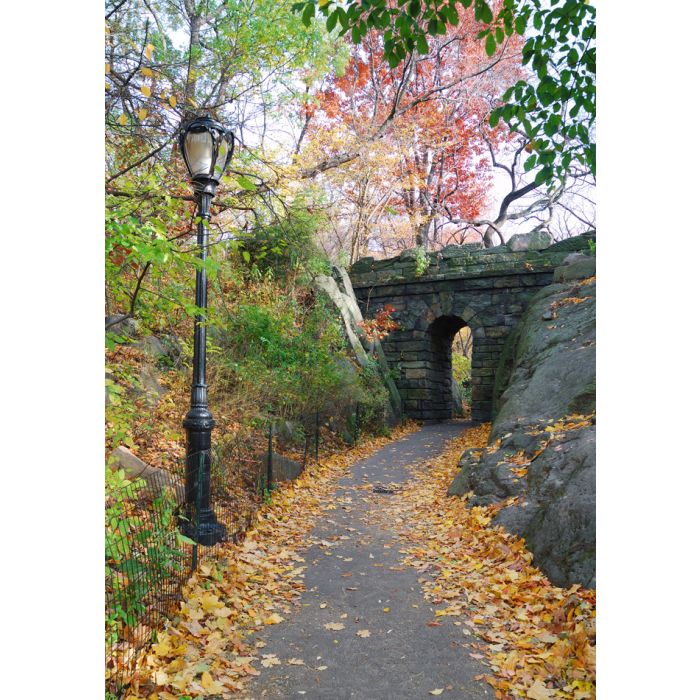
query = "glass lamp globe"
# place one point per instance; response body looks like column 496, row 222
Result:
column 207, row 148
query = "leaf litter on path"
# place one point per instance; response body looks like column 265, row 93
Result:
column 538, row 639
column 207, row 649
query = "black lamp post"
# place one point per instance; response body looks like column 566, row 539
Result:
column 207, row 148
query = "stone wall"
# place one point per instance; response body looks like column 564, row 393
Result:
column 485, row 289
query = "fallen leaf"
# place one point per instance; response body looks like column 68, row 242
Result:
column 270, row 660
column 363, row 633
column 539, row 691
column 334, row 626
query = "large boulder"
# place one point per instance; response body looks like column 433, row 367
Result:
column 575, row 268
column 151, row 346
column 121, row 325
column 535, row 240
column 543, row 436
column 156, row 479
column 283, row 468
column 148, row 385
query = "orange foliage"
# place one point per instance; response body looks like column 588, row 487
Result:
column 431, row 110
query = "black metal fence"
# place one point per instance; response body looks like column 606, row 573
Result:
column 147, row 559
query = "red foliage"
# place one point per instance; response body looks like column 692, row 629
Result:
column 432, row 109
column 381, row 325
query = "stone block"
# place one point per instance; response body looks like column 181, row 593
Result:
column 482, row 372
column 501, row 282
column 497, row 331
column 535, row 240
column 415, row 373
column 416, row 364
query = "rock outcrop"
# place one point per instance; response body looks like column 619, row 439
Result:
column 540, row 464
column 339, row 289
column 156, row 479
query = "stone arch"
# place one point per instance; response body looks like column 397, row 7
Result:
column 488, row 291
column 440, row 333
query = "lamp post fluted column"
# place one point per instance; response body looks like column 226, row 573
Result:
column 202, row 525
column 207, row 148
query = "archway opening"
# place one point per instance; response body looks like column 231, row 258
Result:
column 462, row 346
column 449, row 375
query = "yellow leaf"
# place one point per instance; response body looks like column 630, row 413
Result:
column 437, row 691
column 270, row 660
column 146, row 90
column 210, row 685
column 211, row 602
column 295, row 662
column 273, row 619
column 161, row 678
column 142, row 114
column 172, row 101
column 334, row 626
column 363, row 633
column 148, row 51
column 122, row 120
column 147, row 72
column 539, row 691
column 106, row 68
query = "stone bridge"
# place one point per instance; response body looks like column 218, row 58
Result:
column 485, row 289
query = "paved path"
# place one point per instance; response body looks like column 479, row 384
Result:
column 355, row 572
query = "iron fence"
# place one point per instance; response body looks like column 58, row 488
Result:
column 148, row 559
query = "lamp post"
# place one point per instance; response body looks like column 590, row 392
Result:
column 207, row 148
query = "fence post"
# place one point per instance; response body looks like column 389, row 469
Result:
column 306, row 449
column 317, row 436
column 269, row 457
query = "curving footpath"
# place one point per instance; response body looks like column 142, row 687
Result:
column 356, row 584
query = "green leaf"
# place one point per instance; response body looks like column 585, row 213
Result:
column 422, row 44
column 494, row 117
column 392, row 59
column 246, row 255
column 452, row 15
column 520, row 24
column 530, row 162
column 332, row 20
column 490, row 45
column 308, row 13
column 544, row 175
column 245, row 183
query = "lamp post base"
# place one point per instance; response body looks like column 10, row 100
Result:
column 207, row 533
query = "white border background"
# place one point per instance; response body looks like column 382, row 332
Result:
column 51, row 154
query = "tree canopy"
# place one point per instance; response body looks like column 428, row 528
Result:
column 555, row 108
